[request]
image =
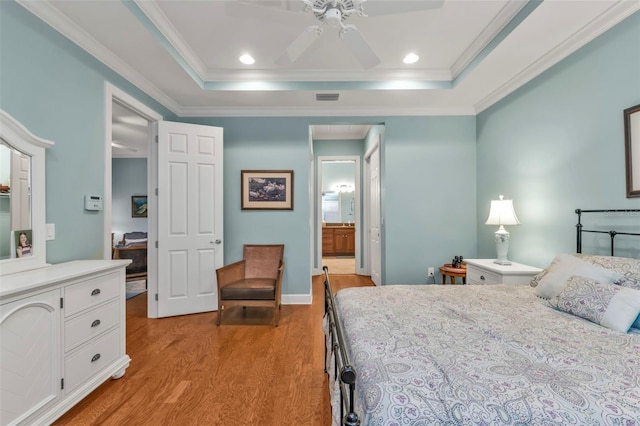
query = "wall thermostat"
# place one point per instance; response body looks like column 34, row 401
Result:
column 92, row 202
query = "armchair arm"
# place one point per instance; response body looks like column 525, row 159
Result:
column 230, row 273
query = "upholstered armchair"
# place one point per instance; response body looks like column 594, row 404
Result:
column 133, row 246
column 256, row 280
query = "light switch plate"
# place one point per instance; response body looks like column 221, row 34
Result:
column 51, row 231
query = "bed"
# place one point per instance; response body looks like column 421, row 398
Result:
column 489, row 355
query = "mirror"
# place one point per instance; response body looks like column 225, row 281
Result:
column 22, row 197
column 338, row 191
column 15, row 201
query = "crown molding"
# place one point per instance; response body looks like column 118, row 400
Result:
column 329, row 111
column 507, row 13
column 59, row 22
column 613, row 16
column 424, row 74
column 158, row 18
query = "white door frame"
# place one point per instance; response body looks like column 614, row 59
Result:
column 112, row 93
column 357, row 215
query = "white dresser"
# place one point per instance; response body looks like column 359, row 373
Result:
column 62, row 334
column 484, row 271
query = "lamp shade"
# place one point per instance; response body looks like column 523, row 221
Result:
column 502, row 213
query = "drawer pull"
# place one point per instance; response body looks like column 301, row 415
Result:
column 95, row 323
column 482, row 277
column 95, row 292
column 95, row 358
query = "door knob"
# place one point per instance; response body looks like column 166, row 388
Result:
column 218, row 241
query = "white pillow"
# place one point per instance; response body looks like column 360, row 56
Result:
column 136, row 241
column 609, row 305
column 564, row 266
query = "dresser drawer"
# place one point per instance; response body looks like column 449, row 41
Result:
column 86, row 294
column 89, row 360
column 480, row 276
column 90, row 324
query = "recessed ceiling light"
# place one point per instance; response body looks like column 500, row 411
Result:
column 247, row 59
column 411, row 58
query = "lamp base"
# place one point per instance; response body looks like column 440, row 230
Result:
column 502, row 246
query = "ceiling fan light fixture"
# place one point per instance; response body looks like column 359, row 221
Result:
column 411, row 58
column 333, row 17
column 247, row 59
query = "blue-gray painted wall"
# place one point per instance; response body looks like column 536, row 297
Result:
column 557, row 144
column 438, row 173
column 56, row 90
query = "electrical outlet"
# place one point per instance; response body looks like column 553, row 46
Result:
column 431, row 271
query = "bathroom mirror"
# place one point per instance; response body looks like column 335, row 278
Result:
column 338, row 186
column 22, row 197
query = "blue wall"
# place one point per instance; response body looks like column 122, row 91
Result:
column 428, row 196
column 557, row 144
column 56, row 90
column 129, row 178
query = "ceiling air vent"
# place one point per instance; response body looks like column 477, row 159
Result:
column 333, row 97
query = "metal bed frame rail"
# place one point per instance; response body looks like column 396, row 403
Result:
column 347, row 374
column 612, row 234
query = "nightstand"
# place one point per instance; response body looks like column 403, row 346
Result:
column 484, row 271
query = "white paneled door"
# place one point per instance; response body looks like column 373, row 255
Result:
column 190, row 210
column 375, row 247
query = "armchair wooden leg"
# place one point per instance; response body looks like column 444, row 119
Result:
column 277, row 314
column 219, row 315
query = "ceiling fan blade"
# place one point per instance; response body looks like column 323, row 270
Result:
column 299, row 45
column 386, row 7
column 359, row 47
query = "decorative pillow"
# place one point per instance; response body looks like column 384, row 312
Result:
column 630, row 280
column 536, row 280
column 620, row 265
column 637, row 323
column 609, row 305
column 563, row 267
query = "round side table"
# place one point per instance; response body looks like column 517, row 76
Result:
column 449, row 271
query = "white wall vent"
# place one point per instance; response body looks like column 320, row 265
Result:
column 333, row 97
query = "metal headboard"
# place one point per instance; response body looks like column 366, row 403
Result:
column 612, row 234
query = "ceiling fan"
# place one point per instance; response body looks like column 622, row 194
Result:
column 334, row 13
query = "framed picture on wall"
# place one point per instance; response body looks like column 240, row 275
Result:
column 632, row 150
column 267, row 189
column 138, row 206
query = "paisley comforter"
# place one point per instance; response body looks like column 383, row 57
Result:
column 484, row 355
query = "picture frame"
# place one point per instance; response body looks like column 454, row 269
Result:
column 16, row 245
column 266, row 189
column 632, row 150
column 139, row 206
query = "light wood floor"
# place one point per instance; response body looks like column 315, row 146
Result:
column 187, row 371
column 340, row 265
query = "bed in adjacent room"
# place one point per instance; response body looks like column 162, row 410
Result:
column 565, row 351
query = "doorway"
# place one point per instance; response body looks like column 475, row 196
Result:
column 339, row 213
column 122, row 111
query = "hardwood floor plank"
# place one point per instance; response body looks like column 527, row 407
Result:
column 187, row 371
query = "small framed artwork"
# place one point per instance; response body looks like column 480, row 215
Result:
column 267, row 189
column 22, row 242
column 632, row 150
column 138, row 206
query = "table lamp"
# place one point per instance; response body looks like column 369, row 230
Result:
column 502, row 213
